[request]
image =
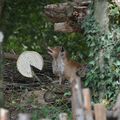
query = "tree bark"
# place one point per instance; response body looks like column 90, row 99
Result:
column 101, row 7
column 65, row 27
column 65, row 11
column 10, row 56
column 101, row 16
column 1, row 60
column 1, row 76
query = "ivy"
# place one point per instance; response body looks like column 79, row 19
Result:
column 103, row 57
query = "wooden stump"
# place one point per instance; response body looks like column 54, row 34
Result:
column 100, row 112
column 3, row 114
column 87, row 104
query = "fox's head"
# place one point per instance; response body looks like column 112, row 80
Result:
column 57, row 51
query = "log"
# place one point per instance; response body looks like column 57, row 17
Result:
column 83, row 3
column 28, row 59
column 11, row 56
column 21, row 86
column 63, row 11
column 14, row 57
column 58, row 12
column 65, row 27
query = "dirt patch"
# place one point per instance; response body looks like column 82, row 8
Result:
column 35, row 96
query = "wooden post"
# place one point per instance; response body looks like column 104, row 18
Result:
column 87, row 99
column 116, row 108
column 73, row 100
column 3, row 114
column 77, row 100
column 87, row 104
column 63, row 116
column 100, row 112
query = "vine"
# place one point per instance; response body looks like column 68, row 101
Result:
column 103, row 58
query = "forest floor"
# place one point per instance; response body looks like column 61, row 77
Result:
column 40, row 99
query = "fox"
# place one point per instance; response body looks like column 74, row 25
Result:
column 63, row 67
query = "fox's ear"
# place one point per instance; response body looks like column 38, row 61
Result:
column 62, row 49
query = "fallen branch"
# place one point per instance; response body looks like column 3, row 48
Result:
column 10, row 56
column 21, row 86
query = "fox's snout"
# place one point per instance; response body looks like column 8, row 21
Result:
column 50, row 51
column 56, row 51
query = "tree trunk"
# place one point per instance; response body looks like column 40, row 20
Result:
column 101, row 7
column 1, row 7
column 1, row 76
column 101, row 16
column 1, row 60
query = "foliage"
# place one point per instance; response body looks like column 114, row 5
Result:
column 114, row 13
column 27, row 28
column 104, row 63
column 31, row 105
column 53, row 112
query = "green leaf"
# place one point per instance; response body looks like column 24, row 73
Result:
column 117, row 63
column 67, row 93
column 92, row 62
column 117, row 70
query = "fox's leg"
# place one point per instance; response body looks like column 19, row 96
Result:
column 61, row 79
column 71, row 79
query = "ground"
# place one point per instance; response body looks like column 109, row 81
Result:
column 28, row 95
